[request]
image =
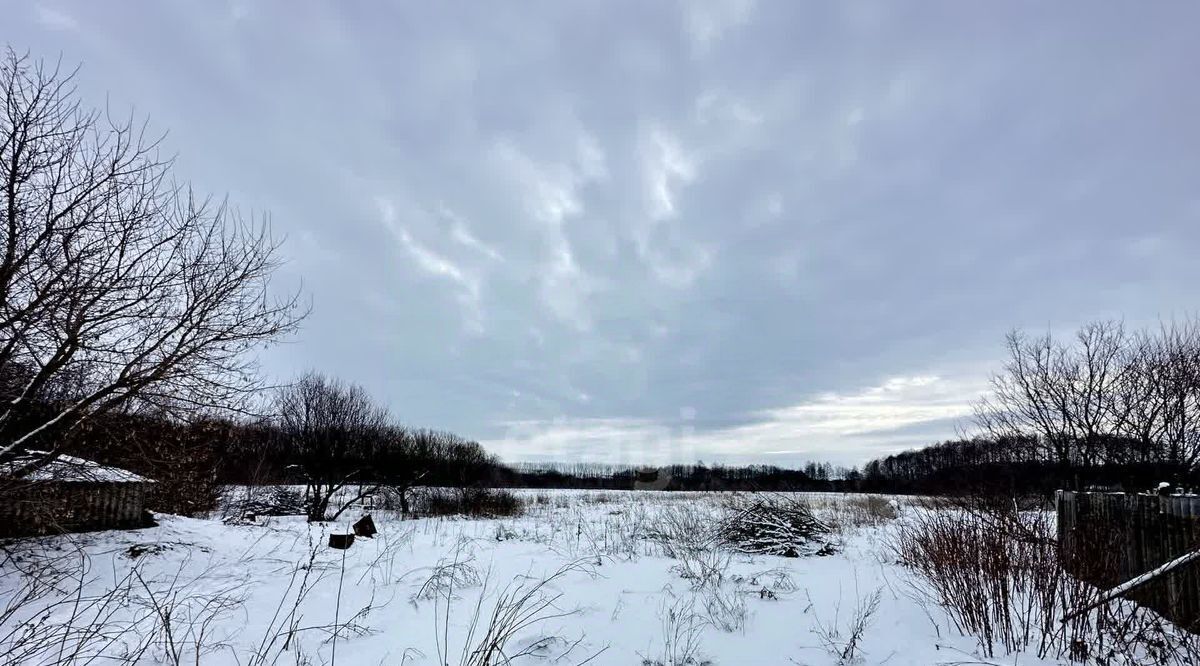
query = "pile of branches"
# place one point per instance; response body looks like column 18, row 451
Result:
column 271, row 501
column 773, row 525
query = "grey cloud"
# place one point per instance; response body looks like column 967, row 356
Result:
column 605, row 213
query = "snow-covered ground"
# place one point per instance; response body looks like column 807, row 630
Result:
column 579, row 573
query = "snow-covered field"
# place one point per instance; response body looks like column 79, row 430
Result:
column 580, row 578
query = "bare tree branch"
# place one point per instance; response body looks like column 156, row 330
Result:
column 119, row 288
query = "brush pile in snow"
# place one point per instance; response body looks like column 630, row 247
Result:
column 270, row 501
column 773, row 525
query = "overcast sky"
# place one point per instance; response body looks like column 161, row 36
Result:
column 643, row 231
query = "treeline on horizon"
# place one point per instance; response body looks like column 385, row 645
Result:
column 1013, row 466
column 1109, row 408
column 697, row 476
column 218, row 452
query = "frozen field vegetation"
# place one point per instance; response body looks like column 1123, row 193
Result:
column 577, row 577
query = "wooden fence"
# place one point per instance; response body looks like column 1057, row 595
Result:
column 51, row 507
column 1108, row 538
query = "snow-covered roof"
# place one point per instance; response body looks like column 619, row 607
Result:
column 72, row 469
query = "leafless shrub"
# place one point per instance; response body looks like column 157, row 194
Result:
column 993, row 572
column 686, row 533
column 725, row 608
column 844, row 642
column 704, row 568
column 390, row 498
column 998, row 573
column 681, row 530
column 934, row 502
column 183, row 459
column 682, row 629
column 772, row 525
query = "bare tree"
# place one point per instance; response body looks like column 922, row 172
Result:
column 331, row 428
column 1094, row 372
column 119, row 289
column 1066, row 394
column 1025, row 396
column 1108, row 396
column 1165, row 389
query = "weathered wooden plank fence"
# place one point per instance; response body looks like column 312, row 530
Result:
column 1109, row 538
column 51, row 507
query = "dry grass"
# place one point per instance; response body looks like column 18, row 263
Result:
column 857, row 511
column 473, row 502
column 682, row 628
column 523, row 604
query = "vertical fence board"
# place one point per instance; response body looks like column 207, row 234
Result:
column 1145, row 531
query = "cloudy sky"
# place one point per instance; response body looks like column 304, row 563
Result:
column 641, row 231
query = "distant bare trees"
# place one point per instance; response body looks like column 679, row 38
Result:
column 408, row 457
column 1108, row 406
column 119, row 288
column 1106, row 396
column 1163, row 395
column 331, row 428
